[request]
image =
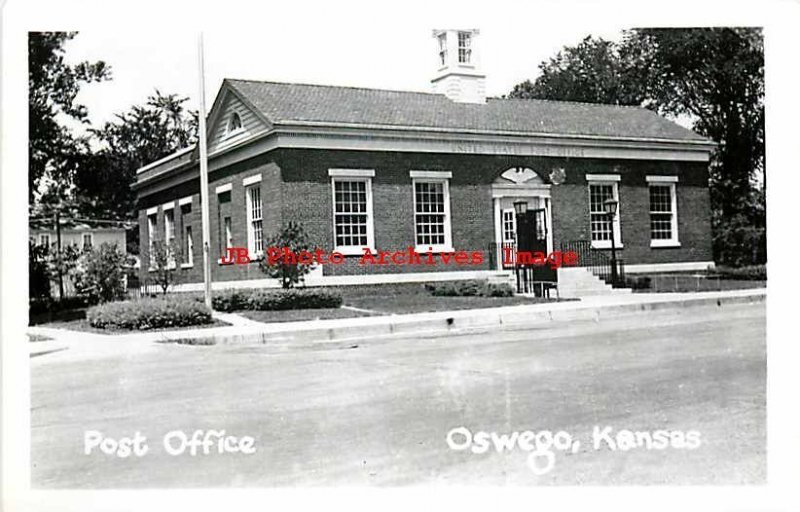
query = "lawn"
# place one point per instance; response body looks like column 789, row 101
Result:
column 693, row 282
column 75, row 320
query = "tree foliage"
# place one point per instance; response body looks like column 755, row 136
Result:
column 712, row 76
column 101, row 274
column 142, row 135
column 289, row 273
column 53, row 87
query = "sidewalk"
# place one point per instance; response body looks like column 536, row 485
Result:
column 245, row 331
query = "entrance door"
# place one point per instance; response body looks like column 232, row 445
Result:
column 532, row 237
column 532, row 231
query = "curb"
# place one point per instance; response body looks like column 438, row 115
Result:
column 443, row 323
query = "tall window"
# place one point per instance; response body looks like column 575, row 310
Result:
column 255, row 221
column 188, row 246
column 87, row 240
column 151, row 238
column 351, row 213
column 442, row 38
column 44, row 239
column 600, row 225
column 464, row 47
column 169, row 234
column 663, row 212
column 432, row 213
column 509, row 226
column 226, row 222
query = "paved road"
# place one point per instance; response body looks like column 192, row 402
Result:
column 379, row 414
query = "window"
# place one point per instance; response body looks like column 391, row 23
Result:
column 188, row 247
column 602, row 188
column 151, row 238
column 226, row 222
column 663, row 212
column 431, row 211
column 234, row 124
column 442, row 38
column 464, row 50
column 87, row 240
column 255, row 221
column 187, row 258
column 509, row 226
column 44, row 240
column 169, row 235
column 352, row 212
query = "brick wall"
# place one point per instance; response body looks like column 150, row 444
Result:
column 295, row 185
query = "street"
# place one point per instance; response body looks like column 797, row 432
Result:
column 379, row 413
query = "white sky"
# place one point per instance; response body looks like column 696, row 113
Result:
column 392, row 52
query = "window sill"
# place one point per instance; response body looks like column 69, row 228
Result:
column 354, row 251
column 658, row 244
column 187, row 265
column 434, row 249
column 605, row 244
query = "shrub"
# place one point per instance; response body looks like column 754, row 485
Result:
column 747, row 273
column 101, row 274
column 265, row 300
column 148, row 314
column 294, row 238
column 469, row 288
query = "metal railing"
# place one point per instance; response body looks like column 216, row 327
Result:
column 536, row 279
column 598, row 262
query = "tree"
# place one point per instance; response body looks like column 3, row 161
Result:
column 292, row 237
column 591, row 72
column 713, row 76
column 101, row 273
column 38, row 272
column 140, row 136
column 53, row 86
column 163, row 263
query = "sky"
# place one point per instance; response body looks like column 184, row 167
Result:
column 389, row 52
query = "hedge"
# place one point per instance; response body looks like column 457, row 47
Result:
column 747, row 273
column 264, row 300
column 470, row 288
column 148, row 314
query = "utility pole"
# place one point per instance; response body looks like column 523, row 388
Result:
column 201, row 139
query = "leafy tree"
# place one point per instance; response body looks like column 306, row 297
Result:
column 712, row 76
column 140, row 136
column 53, row 86
column 591, row 72
column 163, row 257
column 293, row 237
column 101, row 273
column 38, row 271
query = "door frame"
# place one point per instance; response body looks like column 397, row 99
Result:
column 516, row 192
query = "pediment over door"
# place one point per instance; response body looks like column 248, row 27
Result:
column 519, row 176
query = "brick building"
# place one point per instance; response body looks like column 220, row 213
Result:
column 387, row 170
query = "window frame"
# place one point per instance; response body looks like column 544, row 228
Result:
column 353, row 175
column 232, row 132
column 671, row 182
column 467, row 48
column 513, row 217
column 616, row 227
column 188, row 247
column 252, row 250
column 442, row 177
column 441, row 39
column 169, row 235
column 84, row 245
column 152, row 237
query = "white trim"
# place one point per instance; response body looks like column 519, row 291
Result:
column 352, row 250
column 165, row 159
column 187, row 265
column 251, row 180
column 351, row 173
column 447, row 246
column 616, row 223
column 668, row 267
column 185, row 200
column 662, row 179
column 675, row 240
column 603, row 177
column 168, row 206
column 152, row 211
column 224, row 188
column 431, row 174
column 606, row 244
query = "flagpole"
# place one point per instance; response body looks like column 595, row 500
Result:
column 201, row 138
